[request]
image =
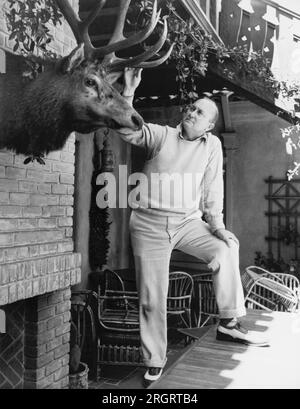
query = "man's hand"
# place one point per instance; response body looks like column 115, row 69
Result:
column 132, row 79
column 226, row 236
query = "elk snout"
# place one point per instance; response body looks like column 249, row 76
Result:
column 137, row 120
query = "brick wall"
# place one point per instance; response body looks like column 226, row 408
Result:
column 37, row 259
column 47, row 336
column 36, row 209
column 36, row 224
column 22, row 280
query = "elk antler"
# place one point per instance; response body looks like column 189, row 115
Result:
column 79, row 27
column 118, row 41
column 118, row 64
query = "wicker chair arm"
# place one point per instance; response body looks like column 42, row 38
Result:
column 263, row 273
column 289, row 296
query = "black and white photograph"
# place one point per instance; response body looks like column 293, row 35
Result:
column 149, row 198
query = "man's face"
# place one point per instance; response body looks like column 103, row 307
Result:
column 198, row 118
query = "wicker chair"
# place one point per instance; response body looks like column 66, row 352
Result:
column 179, row 299
column 118, row 319
column 270, row 291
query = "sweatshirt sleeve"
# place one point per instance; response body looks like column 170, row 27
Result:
column 213, row 188
column 151, row 137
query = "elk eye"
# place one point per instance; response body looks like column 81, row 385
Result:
column 90, row 82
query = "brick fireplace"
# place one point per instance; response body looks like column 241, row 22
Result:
column 34, row 350
column 38, row 264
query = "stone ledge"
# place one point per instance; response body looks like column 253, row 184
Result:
column 22, row 280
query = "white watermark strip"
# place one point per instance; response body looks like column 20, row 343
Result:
column 160, row 190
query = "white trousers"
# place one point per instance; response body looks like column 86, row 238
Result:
column 153, row 238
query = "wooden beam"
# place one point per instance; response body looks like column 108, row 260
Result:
column 242, row 88
column 284, row 9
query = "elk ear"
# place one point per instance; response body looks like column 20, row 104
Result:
column 73, row 60
column 113, row 77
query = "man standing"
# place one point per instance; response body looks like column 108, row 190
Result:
column 160, row 223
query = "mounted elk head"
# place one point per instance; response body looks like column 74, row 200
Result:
column 75, row 93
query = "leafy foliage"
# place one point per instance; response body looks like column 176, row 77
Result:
column 270, row 263
column 28, row 22
column 288, row 234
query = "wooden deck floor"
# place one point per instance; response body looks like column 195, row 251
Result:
column 223, row 365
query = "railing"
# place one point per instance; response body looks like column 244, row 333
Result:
column 212, row 9
column 206, row 14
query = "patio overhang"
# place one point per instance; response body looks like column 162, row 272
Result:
column 250, row 91
column 242, row 87
column 165, row 75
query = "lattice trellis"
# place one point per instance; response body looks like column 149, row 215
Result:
column 284, row 218
column 12, row 348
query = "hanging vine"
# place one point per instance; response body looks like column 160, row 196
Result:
column 194, row 50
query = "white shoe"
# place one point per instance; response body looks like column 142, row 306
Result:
column 239, row 334
column 152, row 375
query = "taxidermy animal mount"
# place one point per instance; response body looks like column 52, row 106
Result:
column 74, row 93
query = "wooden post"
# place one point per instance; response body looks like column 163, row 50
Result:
column 2, row 62
column 230, row 146
column 218, row 11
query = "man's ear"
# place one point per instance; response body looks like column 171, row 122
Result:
column 73, row 60
column 211, row 126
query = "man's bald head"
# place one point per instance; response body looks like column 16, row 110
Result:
column 199, row 118
column 215, row 109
